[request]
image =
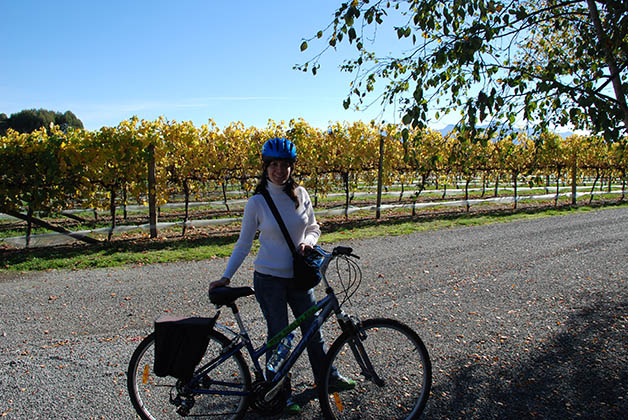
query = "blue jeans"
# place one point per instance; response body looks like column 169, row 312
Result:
column 274, row 295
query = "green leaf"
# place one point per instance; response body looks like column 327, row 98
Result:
column 304, row 46
column 352, row 34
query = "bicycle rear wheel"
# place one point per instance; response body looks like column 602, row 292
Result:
column 391, row 368
column 151, row 395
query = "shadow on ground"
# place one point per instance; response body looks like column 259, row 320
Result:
column 580, row 374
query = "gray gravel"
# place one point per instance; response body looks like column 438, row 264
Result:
column 525, row 319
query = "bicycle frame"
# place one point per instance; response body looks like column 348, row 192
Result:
column 324, row 307
column 355, row 353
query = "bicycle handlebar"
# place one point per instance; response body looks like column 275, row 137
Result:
column 344, row 250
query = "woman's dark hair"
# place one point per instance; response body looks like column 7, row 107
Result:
column 289, row 187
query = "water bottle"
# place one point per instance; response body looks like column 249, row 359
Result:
column 280, row 354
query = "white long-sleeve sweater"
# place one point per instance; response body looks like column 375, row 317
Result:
column 274, row 256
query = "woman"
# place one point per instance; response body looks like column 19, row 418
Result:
column 273, row 266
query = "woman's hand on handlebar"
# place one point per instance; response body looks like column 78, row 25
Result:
column 304, row 248
column 224, row 281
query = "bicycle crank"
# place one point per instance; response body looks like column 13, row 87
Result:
column 182, row 401
column 261, row 405
column 184, row 404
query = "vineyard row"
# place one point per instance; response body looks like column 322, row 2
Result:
column 50, row 170
column 54, row 239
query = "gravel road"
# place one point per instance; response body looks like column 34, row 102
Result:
column 522, row 320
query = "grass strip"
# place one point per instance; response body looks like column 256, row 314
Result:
column 121, row 253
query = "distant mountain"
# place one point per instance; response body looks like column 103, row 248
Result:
column 448, row 128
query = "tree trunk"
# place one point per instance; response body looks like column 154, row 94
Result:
column 515, row 175
column 29, row 225
column 345, row 177
column 380, row 170
column 610, row 183
column 224, row 194
column 186, row 191
column 112, row 212
column 418, row 193
column 597, row 176
column 557, row 188
column 466, row 194
column 610, row 60
column 124, row 213
column 574, row 178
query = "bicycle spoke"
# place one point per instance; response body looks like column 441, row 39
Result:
column 223, row 390
column 391, row 369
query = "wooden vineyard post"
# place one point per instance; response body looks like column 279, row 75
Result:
column 380, row 170
column 152, row 199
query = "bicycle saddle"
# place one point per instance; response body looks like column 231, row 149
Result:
column 227, row 295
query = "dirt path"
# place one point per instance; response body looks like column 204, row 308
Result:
column 522, row 320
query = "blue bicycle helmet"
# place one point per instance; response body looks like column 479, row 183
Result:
column 279, row 148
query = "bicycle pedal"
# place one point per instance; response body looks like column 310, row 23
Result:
column 273, row 392
column 185, row 407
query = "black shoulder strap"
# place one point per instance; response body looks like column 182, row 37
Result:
column 282, row 226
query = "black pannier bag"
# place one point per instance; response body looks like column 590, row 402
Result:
column 180, row 344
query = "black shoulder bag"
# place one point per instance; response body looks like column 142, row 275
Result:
column 307, row 272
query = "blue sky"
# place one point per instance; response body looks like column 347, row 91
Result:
column 186, row 60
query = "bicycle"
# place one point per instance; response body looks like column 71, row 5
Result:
column 386, row 358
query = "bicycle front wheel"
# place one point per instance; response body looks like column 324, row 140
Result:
column 153, row 397
column 391, row 368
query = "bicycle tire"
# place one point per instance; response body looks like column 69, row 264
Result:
column 398, row 357
column 150, row 394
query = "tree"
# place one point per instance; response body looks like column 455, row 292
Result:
column 29, row 120
column 40, row 172
column 619, row 160
column 424, row 157
column 67, row 119
column 118, row 163
column 185, row 157
column 548, row 62
column 4, row 123
column 515, row 154
column 552, row 159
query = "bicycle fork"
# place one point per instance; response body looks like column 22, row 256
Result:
column 356, row 338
